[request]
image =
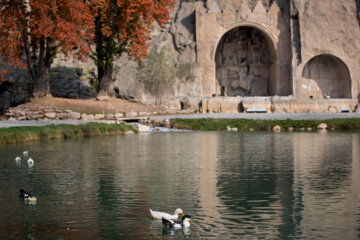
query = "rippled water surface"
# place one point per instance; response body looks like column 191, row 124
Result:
column 235, row 186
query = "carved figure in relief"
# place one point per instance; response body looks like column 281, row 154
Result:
column 242, row 48
column 227, row 52
column 259, row 80
column 257, row 46
column 241, row 85
column 242, row 58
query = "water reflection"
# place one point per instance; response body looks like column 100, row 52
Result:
column 235, row 185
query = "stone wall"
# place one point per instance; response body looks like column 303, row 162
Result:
column 193, row 105
column 64, row 82
column 45, row 113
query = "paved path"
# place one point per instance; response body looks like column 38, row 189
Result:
column 265, row 116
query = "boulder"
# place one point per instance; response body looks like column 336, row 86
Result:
column 277, row 128
column 119, row 115
column 131, row 114
column 98, row 116
column 129, row 132
column 322, row 126
column 74, row 115
column 87, row 117
column 50, row 115
column 141, row 128
column 102, row 98
column 109, row 116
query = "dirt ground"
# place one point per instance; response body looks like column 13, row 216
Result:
column 111, row 105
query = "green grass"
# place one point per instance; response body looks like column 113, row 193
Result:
column 26, row 134
column 247, row 124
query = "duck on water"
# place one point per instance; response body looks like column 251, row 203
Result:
column 159, row 215
column 27, row 196
column 184, row 223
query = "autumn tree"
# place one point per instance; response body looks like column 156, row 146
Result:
column 32, row 32
column 124, row 26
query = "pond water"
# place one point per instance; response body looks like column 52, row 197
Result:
column 255, row 185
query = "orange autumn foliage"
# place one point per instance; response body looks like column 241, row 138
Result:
column 124, row 26
column 32, row 32
column 129, row 22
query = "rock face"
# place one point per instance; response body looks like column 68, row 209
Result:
column 308, row 49
column 327, row 56
column 300, row 50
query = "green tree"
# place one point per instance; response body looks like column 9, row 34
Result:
column 159, row 72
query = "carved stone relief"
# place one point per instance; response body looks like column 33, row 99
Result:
column 243, row 63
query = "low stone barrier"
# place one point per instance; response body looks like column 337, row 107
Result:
column 46, row 113
column 40, row 113
column 196, row 105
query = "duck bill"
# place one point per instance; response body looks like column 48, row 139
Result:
column 182, row 214
column 191, row 221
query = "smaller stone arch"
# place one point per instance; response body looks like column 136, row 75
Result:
column 331, row 75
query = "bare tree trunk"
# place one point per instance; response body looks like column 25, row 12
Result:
column 41, row 82
column 104, row 80
column 39, row 71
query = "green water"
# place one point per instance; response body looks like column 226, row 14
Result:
column 257, row 185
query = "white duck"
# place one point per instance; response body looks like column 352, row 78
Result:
column 185, row 222
column 17, row 159
column 26, row 154
column 159, row 215
column 30, row 162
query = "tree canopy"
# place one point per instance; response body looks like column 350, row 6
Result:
column 124, row 26
column 32, row 32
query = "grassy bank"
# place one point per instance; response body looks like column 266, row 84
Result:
column 26, row 134
column 250, row 124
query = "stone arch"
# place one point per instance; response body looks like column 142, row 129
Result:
column 331, row 75
column 245, row 60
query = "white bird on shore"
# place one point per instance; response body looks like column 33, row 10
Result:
column 25, row 153
column 30, row 162
column 159, row 215
column 18, row 159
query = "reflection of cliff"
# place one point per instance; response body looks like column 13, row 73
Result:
column 252, row 175
column 324, row 184
column 243, row 63
column 208, row 177
column 248, row 183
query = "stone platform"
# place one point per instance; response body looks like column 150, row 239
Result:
column 265, row 104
